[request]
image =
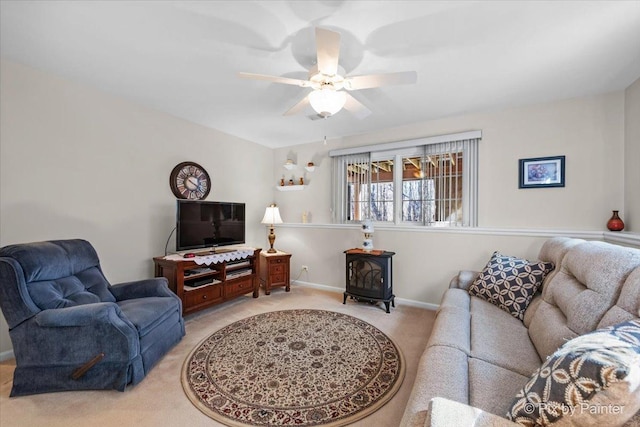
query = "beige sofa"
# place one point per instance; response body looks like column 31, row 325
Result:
column 480, row 356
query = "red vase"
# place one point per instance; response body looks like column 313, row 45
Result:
column 615, row 223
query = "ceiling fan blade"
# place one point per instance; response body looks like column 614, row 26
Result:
column 304, row 102
column 377, row 80
column 328, row 51
column 355, row 107
column 276, row 79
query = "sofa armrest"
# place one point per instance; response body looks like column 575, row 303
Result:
column 463, row 279
column 444, row 412
column 155, row 287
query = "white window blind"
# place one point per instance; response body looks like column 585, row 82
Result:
column 428, row 181
column 351, row 178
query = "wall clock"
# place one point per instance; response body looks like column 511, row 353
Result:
column 189, row 180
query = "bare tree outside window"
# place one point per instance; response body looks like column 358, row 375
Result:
column 431, row 185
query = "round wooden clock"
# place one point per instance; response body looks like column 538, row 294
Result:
column 189, row 180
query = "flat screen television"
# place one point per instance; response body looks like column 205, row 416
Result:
column 204, row 224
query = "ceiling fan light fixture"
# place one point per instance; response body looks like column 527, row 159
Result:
column 327, row 101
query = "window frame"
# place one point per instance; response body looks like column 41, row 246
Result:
column 415, row 148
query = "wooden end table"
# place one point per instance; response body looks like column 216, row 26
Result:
column 274, row 270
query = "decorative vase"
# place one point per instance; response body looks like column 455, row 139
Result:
column 615, row 223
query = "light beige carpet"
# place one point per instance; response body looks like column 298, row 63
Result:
column 159, row 399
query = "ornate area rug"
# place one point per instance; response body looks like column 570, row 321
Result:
column 293, row 368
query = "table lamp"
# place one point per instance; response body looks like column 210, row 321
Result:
column 367, row 230
column 271, row 217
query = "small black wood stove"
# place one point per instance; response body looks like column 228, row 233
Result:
column 369, row 276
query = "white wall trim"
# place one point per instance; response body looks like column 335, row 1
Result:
column 409, row 302
column 581, row 234
column 317, row 286
column 615, row 237
column 622, row 238
column 419, row 304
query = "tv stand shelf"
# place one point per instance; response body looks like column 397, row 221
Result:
column 209, row 285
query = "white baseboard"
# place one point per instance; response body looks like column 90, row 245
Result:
column 420, row 304
column 6, row 355
column 404, row 301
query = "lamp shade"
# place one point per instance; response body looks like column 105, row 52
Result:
column 271, row 215
column 327, row 101
column 367, row 226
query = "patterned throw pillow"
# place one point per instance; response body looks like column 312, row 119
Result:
column 593, row 379
column 510, row 282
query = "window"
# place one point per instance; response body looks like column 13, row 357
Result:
column 429, row 181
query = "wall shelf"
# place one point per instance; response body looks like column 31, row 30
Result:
column 291, row 187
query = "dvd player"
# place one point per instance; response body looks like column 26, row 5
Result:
column 199, row 282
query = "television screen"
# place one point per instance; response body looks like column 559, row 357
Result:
column 202, row 224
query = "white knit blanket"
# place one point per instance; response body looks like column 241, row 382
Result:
column 214, row 258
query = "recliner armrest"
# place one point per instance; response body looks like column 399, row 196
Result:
column 155, row 287
column 73, row 335
column 444, row 413
column 463, row 279
column 79, row 315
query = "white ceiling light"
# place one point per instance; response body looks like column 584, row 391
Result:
column 327, row 101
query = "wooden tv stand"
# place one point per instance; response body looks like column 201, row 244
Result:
column 201, row 286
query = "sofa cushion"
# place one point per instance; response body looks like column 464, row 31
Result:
column 597, row 370
column 457, row 298
column 445, row 412
column 491, row 387
column 594, row 273
column 509, row 282
column 500, row 339
column 554, row 250
column 628, row 305
column 577, row 298
column 452, row 319
column 442, row 372
column 548, row 329
column 483, row 331
column 531, row 310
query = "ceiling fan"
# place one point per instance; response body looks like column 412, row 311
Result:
column 329, row 83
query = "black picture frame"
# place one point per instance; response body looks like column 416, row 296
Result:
column 541, row 172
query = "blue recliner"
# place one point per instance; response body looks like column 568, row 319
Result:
column 72, row 330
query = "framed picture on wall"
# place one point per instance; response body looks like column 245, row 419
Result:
column 541, row 172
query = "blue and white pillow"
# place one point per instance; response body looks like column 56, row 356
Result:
column 510, row 282
column 594, row 379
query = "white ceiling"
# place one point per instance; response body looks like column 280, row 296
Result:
column 183, row 57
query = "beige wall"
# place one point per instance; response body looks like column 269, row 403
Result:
column 588, row 131
column 79, row 163
column 631, row 214
column 424, row 263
